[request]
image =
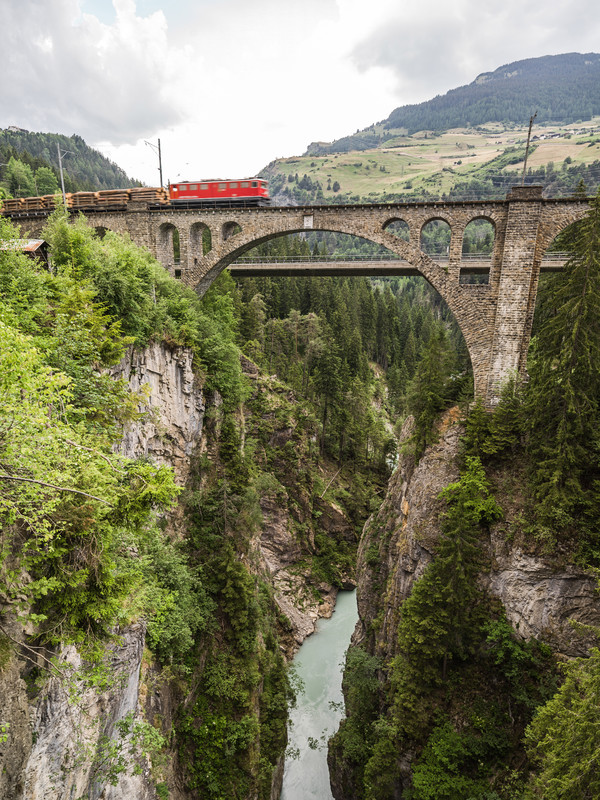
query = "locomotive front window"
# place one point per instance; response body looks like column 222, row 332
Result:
column 244, row 184
column 254, row 184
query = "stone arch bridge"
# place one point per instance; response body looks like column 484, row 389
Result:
column 495, row 317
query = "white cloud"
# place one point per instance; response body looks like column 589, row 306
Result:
column 435, row 46
column 228, row 85
column 68, row 72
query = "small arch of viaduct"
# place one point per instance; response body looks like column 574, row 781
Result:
column 495, row 318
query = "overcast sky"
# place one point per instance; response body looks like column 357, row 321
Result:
column 229, row 85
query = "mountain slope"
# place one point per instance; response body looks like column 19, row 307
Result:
column 563, row 88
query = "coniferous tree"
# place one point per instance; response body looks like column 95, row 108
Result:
column 477, row 427
column 563, row 737
column 428, row 391
column 506, row 425
column 564, row 391
column 438, row 624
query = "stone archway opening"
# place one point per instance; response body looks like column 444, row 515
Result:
column 418, row 312
column 101, row 231
column 435, row 239
column 553, row 261
column 319, row 249
column 230, row 229
column 200, row 238
column 169, row 248
column 399, row 228
column 200, row 242
column 248, row 259
column 477, row 248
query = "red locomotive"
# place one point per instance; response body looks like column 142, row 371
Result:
column 248, row 191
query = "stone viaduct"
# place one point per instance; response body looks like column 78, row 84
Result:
column 495, row 317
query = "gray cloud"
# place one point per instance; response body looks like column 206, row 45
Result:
column 437, row 46
column 104, row 83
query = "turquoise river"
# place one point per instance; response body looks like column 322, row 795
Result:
column 319, row 709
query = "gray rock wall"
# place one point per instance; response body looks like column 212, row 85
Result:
column 542, row 595
column 175, row 401
column 54, row 739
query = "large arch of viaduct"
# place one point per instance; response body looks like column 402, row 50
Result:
column 495, row 318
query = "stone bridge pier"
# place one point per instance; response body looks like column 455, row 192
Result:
column 495, row 317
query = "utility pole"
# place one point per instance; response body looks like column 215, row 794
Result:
column 62, row 178
column 160, row 165
column 527, row 148
column 157, row 149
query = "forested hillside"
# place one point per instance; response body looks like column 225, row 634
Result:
column 30, row 165
column 467, row 144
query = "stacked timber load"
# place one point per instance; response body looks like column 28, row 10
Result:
column 32, row 204
column 51, row 201
column 112, row 197
column 83, row 199
column 148, row 194
column 11, row 205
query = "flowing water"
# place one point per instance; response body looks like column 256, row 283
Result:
column 319, row 664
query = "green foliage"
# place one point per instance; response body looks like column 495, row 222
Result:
column 45, row 181
column 477, row 430
column 70, row 506
column 563, row 737
column 332, row 560
column 564, row 391
column 80, row 521
column 21, row 182
column 443, row 771
column 439, row 618
column 148, row 303
column 175, row 601
column 439, row 629
column 228, row 742
column 4, row 729
column 118, row 755
column 507, row 424
column 362, row 692
column 66, row 499
column 339, row 341
column 428, row 392
column 524, row 665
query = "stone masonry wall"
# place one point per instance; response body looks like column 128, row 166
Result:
column 495, row 318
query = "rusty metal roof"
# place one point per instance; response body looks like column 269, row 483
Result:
column 23, row 245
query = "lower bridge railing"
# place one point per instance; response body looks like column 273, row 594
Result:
column 359, row 264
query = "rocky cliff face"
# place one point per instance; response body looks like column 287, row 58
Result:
column 65, row 737
column 285, row 541
column 172, row 429
column 542, row 594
